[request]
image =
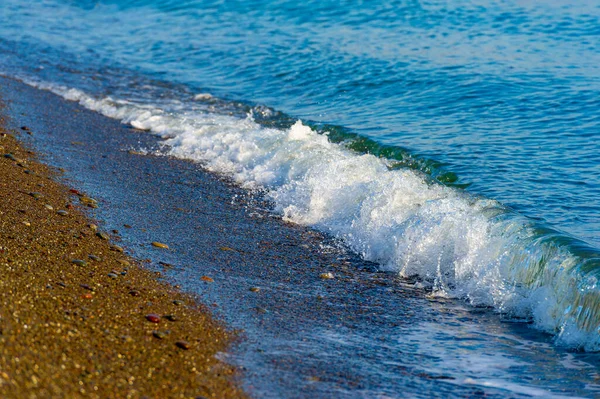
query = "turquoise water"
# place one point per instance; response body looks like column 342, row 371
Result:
column 483, row 118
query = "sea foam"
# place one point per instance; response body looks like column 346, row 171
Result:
column 458, row 244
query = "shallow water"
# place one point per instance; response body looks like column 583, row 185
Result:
column 453, row 144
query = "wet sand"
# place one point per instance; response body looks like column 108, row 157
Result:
column 79, row 318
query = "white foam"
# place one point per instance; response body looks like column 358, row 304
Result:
column 203, row 96
column 459, row 245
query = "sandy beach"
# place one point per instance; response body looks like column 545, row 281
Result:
column 79, row 318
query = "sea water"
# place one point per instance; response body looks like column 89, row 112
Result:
column 455, row 144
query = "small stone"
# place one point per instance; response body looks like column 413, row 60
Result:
column 326, row 276
column 62, row 212
column 153, row 318
column 134, row 293
column 24, row 128
column 87, row 200
column 79, row 262
column 160, row 334
column 94, row 257
column 49, row 207
column 226, row 249
column 90, row 202
column 127, row 226
column 170, row 317
column 116, row 248
column 103, row 235
column 166, row 265
column 207, row 279
column 36, row 195
column 178, row 302
column 10, row 156
column 261, row 310
column 86, row 287
column 254, row 289
column 183, row 345
column 159, row 245
column 112, row 275
column 93, row 226
column 126, row 338
column 27, row 224
column 87, row 296
column 124, row 262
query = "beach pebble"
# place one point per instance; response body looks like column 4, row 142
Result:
column 207, row 279
column 79, row 262
column 170, row 317
column 94, row 257
column 326, row 276
column 126, row 338
column 103, row 235
column 178, row 302
column 36, row 195
column 112, row 275
column 27, row 224
column 183, row 345
column 226, row 249
column 124, row 262
column 87, row 296
column 93, row 226
column 116, row 248
column 49, row 207
column 159, row 245
column 62, row 212
column 92, row 203
column 10, row 156
column 153, row 318
column 254, row 289
column 160, row 334
column 134, row 293
column 166, row 265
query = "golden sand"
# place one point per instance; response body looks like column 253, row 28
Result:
column 72, row 326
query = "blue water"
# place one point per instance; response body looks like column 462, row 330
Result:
column 495, row 101
column 504, row 94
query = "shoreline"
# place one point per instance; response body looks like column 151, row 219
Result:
column 363, row 333
column 78, row 317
